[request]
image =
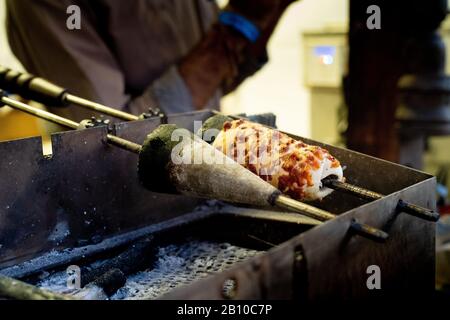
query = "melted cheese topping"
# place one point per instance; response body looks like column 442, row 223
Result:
column 295, row 168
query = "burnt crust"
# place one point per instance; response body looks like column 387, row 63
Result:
column 216, row 122
column 155, row 158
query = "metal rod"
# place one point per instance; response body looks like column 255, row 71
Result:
column 322, row 215
column 18, row 290
column 352, row 189
column 368, row 231
column 124, row 144
column 308, row 210
column 46, row 92
column 267, row 243
column 114, row 140
column 402, row 206
column 418, row 211
column 69, row 98
column 40, row 113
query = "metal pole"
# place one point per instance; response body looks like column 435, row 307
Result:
column 40, row 113
column 402, row 206
column 322, row 215
column 18, row 290
column 124, row 144
column 310, row 211
column 119, row 142
column 69, row 98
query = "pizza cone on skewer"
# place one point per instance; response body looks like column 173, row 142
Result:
column 295, row 168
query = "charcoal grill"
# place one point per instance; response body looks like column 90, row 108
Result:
column 83, row 203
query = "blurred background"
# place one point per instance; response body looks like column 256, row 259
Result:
column 281, row 86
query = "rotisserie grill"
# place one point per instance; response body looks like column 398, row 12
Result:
column 83, row 205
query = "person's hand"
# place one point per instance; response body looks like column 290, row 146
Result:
column 265, row 14
column 219, row 59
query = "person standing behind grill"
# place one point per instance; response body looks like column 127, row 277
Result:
column 178, row 55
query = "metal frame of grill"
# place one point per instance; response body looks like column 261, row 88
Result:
column 86, row 197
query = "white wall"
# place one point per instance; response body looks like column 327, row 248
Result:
column 6, row 57
column 279, row 86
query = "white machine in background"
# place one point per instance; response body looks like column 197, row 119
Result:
column 438, row 156
column 325, row 62
column 326, row 53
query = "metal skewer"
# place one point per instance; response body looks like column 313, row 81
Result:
column 308, row 210
column 402, row 206
column 42, row 90
column 18, row 290
column 87, row 104
column 279, row 200
column 322, row 215
column 40, row 113
column 119, row 142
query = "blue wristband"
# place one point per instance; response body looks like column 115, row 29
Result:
column 240, row 24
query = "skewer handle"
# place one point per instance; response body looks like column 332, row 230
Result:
column 42, row 114
column 38, row 112
column 368, row 231
column 352, row 189
column 402, row 206
column 124, row 144
column 32, row 87
column 417, row 211
column 303, row 208
column 18, row 290
column 87, row 104
column 48, row 93
column 322, row 215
